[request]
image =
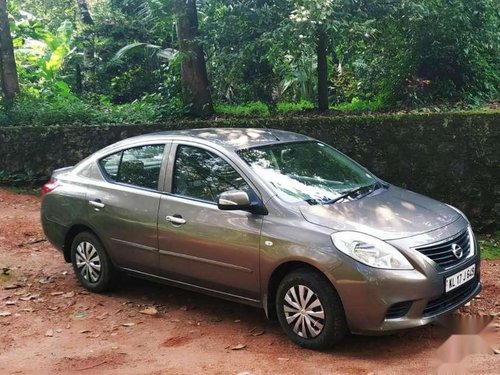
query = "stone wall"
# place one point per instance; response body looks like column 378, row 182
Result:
column 452, row 157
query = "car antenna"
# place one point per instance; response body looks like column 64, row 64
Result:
column 269, row 131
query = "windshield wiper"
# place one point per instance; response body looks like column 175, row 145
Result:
column 346, row 194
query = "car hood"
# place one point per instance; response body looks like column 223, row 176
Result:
column 387, row 214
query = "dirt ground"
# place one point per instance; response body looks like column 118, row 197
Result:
column 49, row 324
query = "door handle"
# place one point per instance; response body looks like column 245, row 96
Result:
column 97, row 204
column 176, row 219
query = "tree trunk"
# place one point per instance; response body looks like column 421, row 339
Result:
column 10, row 80
column 85, row 15
column 195, row 87
column 88, row 47
column 321, row 51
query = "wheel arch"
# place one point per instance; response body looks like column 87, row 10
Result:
column 278, row 274
column 70, row 236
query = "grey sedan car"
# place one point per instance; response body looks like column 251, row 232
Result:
column 268, row 218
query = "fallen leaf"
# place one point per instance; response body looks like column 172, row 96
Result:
column 30, row 310
column 56, row 293
column 29, row 297
column 52, row 308
column 49, row 333
column 497, row 351
column 257, row 332
column 12, row 286
column 10, row 302
column 103, row 316
column 59, row 330
column 69, row 294
column 282, row 359
column 238, row 347
column 4, row 314
column 85, row 331
column 80, row 314
column 128, row 324
column 149, row 311
column 44, row 280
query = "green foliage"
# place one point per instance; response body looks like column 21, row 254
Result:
column 261, row 57
column 252, row 109
column 289, row 107
column 360, row 105
column 41, row 110
column 490, row 246
column 25, row 178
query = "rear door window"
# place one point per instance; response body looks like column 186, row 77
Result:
column 137, row 166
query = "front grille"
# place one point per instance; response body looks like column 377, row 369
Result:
column 451, row 299
column 398, row 310
column 442, row 253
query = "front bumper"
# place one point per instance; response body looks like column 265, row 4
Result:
column 377, row 301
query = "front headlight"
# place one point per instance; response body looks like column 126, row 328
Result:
column 370, row 250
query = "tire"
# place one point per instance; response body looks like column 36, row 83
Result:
column 91, row 264
column 322, row 323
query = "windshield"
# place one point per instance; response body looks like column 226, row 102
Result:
column 307, row 171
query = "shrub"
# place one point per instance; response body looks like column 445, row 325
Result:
column 250, row 109
column 288, row 107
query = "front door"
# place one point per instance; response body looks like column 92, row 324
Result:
column 200, row 244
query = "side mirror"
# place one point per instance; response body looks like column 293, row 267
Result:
column 234, row 200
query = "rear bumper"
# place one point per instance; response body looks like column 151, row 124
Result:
column 54, row 232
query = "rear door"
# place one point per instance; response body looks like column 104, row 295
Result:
column 203, row 245
column 123, row 207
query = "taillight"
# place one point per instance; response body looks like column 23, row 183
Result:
column 48, row 187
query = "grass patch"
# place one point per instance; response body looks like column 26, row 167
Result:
column 490, row 246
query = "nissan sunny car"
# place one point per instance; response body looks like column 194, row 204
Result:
column 269, row 218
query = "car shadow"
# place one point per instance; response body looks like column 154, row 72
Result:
column 202, row 308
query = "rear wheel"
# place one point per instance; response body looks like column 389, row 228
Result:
column 309, row 310
column 91, row 263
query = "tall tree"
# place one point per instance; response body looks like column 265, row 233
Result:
column 83, row 75
column 321, row 52
column 9, row 77
column 195, row 86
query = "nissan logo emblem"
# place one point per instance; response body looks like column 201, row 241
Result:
column 457, row 251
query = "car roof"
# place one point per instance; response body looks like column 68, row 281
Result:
column 232, row 138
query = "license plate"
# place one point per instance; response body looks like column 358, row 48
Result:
column 460, row 278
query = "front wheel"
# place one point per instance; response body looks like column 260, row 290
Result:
column 310, row 311
column 91, row 263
